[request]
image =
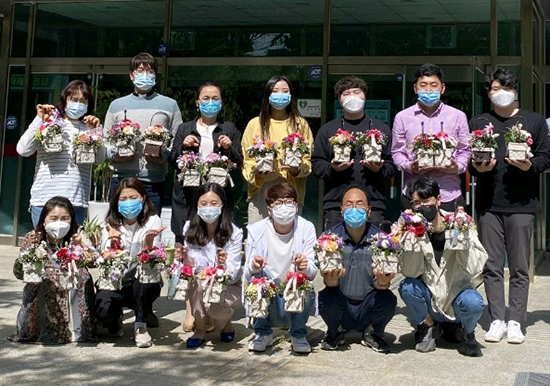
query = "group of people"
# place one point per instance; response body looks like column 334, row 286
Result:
column 440, row 293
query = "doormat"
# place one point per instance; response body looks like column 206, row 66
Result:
column 532, row 379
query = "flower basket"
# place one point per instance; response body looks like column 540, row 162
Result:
column 153, row 147
column 457, row 240
column 371, row 143
column 125, row 148
column 342, row 153
column 329, row 260
column 295, row 301
column 483, row 143
column 33, row 272
column 386, row 262
column 53, row 144
column 328, row 251
column 149, row 274
column 85, row 155
column 296, row 288
column 372, row 153
column 109, row 279
column 484, row 154
column 258, row 307
column 218, row 176
column 68, row 280
column 182, row 289
column 293, row 157
column 425, row 157
column 265, row 162
column 214, row 292
column 190, row 178
column 517, row 151
column 258, row 296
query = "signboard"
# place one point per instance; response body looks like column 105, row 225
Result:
column 314, row 73
column 39, row 82
column 12, row 122
column 376, row 109
column 310, row 108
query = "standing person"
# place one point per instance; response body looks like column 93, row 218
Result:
column 57, row 172
column 211, row 239
column 355, row 296
column 507, row 198
column 132, row 222
column 431, row 115
column 49, row 314
column 278, row 118
column 145, row 107
column 274, row 245
column 338, row 177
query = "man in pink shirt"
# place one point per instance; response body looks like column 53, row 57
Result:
column 433, row 116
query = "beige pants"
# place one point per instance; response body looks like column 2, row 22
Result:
column 215, row 311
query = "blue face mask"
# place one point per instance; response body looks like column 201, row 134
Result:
column 144, row 81
column 130, row 208
column 75, row 110
column 355, row 217
column 429, row 98
column 279, row 101
column 210, row 108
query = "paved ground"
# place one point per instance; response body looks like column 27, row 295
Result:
column 168, row 362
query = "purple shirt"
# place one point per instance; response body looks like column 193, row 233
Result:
column 408, row 124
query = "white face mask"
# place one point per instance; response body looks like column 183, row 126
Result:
column 353, row 104
column 209, row 214
column 284, row 214
column 57, row 229
column 503, row 98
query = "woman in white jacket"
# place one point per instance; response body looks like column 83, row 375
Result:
column 212, row 240
column 57, row 173
column 274, row 245
column 131, row 225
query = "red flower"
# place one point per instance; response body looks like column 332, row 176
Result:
column 187, row 271
column 427, row 141
column 478, row 133
column 144, row 257
column 260, row 280
column 419, row 230
column 529, row 141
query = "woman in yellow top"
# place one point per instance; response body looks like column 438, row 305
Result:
column 278, row 118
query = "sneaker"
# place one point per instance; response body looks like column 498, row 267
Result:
column 515, row 335
column 300, row 345
column 375, row 342
column 331, row 344
column 142, row 338
column 468, row 344
column 425, row 337
column 260, row 342
column 496, row 332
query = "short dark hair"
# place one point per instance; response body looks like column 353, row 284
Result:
column 208, row 84
column 61, row 202
column 71, row 89
column 505, row 77
column 424, row 187
column 428, row 69
column 146, row 59
column 282, row 190
column 355, row 186
column 348, row 82
column 114, row 217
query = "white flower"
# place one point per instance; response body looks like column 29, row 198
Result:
column 385, row 244
column 100, row 260
column 220, row 273
column 416, row 219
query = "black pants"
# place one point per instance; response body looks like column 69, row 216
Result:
column 507, row 235
column 376, row 309
column 333, row 216
column 137, row 296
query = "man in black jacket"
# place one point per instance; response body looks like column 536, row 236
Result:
column 507, row 198
column 338, row 177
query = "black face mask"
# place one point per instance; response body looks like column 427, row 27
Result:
column 429, row 212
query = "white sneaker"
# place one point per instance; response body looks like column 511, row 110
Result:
column 514, row 332
column 260, row 342
column 496, row 332
column 142, row 338
column 300, row 345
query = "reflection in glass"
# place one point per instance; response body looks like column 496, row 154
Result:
column 20, row 28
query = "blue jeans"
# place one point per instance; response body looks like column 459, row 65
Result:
column 278, row 317
column 468, row 304
column 155, row 190
column 79, row 213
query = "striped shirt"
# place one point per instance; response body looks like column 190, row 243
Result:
column 55, row 174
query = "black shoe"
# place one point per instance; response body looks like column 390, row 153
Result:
column 375, row 342
column 425, row 337
column 332, row 343
column 152, row 321
column 450, row 332
column 468, row 344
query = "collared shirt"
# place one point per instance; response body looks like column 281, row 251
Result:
column 408, row 124
column 358, row 280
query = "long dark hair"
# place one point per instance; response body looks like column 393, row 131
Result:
column 114, row 217
column 73, row 88
column 197, row 233
column 265, row 113
column 61, row 202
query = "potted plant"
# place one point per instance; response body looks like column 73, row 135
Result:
column 425, row 148
column 386, row 250
column 265, row 152
column 258, row 296
column 371, row 143
column 412, row 226
column 49, row 134
column 123, row 135
column 155, row 139
column 181, row 276
column 296, row 289
column 111, row 264
column 151, row 262
column 444, row 156
column 294, row 146
column 32, row 258
column 219, row 167
column 342, row 142
column 69, row 261
column 518, row 143
column 214, row 281
column 85, row 146
column 101, row 177
column 457, row 231
column 483, row 143
column 328, row 251
column 192, row 169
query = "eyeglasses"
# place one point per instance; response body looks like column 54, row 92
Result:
column 419, row 204
column 358, row 205
column 142, row 71
column 283, row 201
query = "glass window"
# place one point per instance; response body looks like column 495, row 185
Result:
column 247, row 28
column 98, row 29
column 547, row 46
column 509, row 27
column 395, row 27
column 20, row 28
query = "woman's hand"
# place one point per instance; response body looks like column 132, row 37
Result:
column 221, row 256
column 33, row 237
column 224, row 141
column 293, row 170
column 258, row 262
column 113, row 233
column 91, row 121
column 182, row 256
column 300, row 261
column 44, row 112
column 76, row 239
column 191, row 141
column 150, row 236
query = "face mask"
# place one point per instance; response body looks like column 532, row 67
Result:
column 429, row 98
column 210, row 108
column 353, row 104
column 144, row 81
column 209, row 214
column 355, row 217
column 75, row 110
column 279, row 101
column 57, row 229
column 503, row 98
column 130, row 208
column 284, row 214
column 429, row 211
